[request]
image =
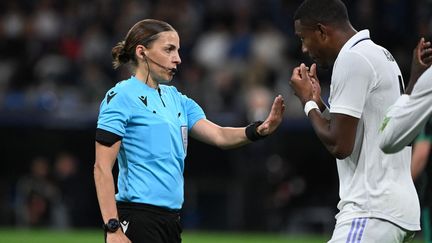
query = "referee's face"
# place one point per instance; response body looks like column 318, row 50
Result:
column 312, row 43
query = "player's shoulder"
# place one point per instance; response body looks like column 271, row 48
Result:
column 353, row 59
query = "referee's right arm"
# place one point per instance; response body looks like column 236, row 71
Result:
column 104, row 182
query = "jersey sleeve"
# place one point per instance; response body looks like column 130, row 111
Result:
column 114, row 113
column 193, row 110
column 350, row 84
column 407, row 117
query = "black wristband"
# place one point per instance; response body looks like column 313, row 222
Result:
column 251, row 131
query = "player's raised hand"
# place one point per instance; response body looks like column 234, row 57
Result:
column 315, row 83
column 421, row 60
column 301, row 82
column 424, row 53
column 422, row 56
column 274, row 118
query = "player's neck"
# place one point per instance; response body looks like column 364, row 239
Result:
column 343, row 36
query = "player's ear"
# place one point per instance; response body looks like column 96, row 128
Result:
column 322, row 30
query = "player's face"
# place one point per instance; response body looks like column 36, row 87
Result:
column 164, row 51
column 312, row 43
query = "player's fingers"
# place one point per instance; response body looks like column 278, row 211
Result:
column 296, row 74
column 313, row 72
column 417, row 50
column 421, row 43
column 426, row 52
column 427, row 61
column 277, row 104
column 425, row 56
column 303, row 70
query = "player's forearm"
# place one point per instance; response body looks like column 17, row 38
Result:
column 104, row 183
column 420, row 157
column 403, row 122
column 323, row 130
column 400, row 131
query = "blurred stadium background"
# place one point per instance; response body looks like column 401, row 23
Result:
column 55, row 67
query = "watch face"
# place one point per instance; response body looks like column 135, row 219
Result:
column 112, row 225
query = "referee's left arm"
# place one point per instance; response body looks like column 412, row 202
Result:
column 232, row 137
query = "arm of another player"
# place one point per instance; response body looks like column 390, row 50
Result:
column 419, row 157
column 232, row 137
column 337, row 133
column 405, row 119
column 421, row 60
column 104, row 182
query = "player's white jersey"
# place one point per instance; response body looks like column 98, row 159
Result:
column 366, row 81
column 408, row 115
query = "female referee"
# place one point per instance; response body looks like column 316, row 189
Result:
column 145, row 125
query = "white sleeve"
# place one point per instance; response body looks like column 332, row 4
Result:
column 405, row 119
column 351, row 81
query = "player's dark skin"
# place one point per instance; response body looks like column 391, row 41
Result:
column 323, row 43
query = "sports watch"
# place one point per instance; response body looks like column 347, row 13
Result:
column 112, row 225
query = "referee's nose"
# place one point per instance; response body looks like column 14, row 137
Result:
column 176, row 58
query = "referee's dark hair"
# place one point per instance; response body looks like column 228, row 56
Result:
column 312, row 12
column 145, row 32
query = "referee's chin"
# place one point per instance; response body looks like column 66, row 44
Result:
column 165, row 80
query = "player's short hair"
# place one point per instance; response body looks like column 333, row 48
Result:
column 312, row 12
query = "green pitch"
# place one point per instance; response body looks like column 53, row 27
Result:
column 96, row 236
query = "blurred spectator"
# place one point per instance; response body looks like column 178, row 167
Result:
column 68, row 180
column 36, row 196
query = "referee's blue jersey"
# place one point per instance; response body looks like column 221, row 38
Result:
column 154, row 125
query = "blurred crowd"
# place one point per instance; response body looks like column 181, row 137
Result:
column 55, row 66
column 50, row 194
column 55, row 56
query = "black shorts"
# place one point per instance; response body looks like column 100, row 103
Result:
column 144, row 223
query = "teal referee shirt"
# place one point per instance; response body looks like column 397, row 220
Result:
column 154, row 125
